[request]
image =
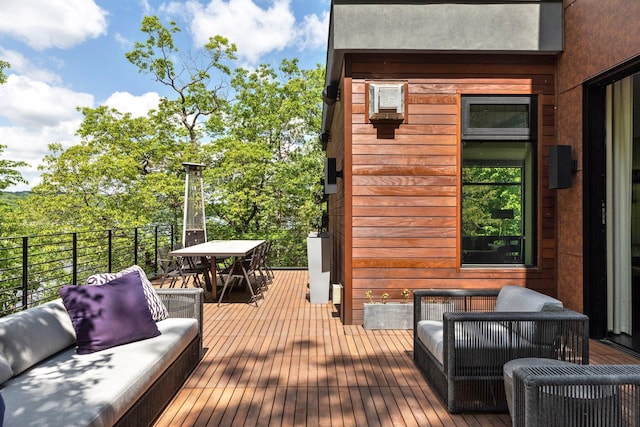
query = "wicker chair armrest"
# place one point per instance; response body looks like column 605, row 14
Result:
column 544, row 395
column 503, row 316
column 563, row 333
column 184, row 303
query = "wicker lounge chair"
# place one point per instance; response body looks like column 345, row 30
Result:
column 462, row 352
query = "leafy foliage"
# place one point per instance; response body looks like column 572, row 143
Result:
column 488, row 190
column 8, row 174
column 266, row 168
column 3, row 77
column 263, row 165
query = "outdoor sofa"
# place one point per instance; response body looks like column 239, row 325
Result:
column 463, row 337
column 44, row 381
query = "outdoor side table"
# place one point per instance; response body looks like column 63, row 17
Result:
column 514, row 364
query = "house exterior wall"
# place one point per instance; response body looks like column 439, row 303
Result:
column 398, row 214
column 598, row 36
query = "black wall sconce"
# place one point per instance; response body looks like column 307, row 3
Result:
column 561, row 166
column 324, row 139
column 331, row 175
column 330, row 94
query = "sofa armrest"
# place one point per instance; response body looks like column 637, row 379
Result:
column 564, row 395
column 184, row 303
column 563, row 335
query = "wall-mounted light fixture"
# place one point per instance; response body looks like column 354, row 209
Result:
column 561, row 166
column 387, row 108
column 330, row 94
column 386, row 101
column 324, row 139
column 331, row 175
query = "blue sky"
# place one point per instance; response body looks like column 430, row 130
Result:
column 70, row 53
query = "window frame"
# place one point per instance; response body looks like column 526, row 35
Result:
column 495, row 134
column 505, row 136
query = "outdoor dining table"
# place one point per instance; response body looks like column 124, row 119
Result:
column 213, row 249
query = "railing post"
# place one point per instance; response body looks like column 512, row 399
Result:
column 110, row 251
column 25, row 271
column 135, row 246
column 155, row 257
column 74, row 261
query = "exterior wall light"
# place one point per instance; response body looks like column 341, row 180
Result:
column 330, row 94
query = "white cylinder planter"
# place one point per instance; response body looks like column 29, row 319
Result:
column 318, row 254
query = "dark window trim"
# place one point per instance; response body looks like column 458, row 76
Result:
column 496, row 134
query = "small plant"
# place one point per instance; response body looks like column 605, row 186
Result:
column 369, row 295
column 406, row 294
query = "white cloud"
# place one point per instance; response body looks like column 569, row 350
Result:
column 255, row 30
column 31, row 145
column 138, row 106
column 36, row 104
column 21, row 65
column 43, row 24
column 313, row 32
column 38, row 114
column 124, row 43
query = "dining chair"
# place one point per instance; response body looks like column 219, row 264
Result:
column 244, row 270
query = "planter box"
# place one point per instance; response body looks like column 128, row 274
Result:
column 392, row 315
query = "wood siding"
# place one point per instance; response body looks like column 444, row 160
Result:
column 403, row 228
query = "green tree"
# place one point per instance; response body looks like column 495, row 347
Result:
column 200, row 95
column 124, row 173
column 8, row 173
column 3, row 77
column 260, row 148
column 267, row 165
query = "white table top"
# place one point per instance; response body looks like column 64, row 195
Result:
column 219, row 248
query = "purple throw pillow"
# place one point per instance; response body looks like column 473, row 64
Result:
column 109, row 315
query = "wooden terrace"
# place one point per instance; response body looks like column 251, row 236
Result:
column 288, row 362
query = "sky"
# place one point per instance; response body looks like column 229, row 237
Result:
column 66, row 54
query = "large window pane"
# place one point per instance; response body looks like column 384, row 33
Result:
column 497, row 203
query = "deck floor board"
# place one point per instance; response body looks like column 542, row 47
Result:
column 288, row 362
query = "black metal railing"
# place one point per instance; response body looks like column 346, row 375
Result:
column 33, row 268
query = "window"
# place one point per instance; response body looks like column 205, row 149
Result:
column 498, row 182
column 498, row 117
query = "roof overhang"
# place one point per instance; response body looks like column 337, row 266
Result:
column 462, row 27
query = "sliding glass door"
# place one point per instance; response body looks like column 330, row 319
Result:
column 623, row 210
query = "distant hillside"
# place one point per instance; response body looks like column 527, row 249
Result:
column 9, row 198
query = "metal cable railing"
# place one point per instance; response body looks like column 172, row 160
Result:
column 33, row 268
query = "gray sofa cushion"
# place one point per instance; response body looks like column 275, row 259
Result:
column 431, row 335
column 5, row 369
column 95, row 389
column 517, row 298
column 32, row 335
column 491, row 343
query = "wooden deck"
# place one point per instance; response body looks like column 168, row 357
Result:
column 288, row 362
